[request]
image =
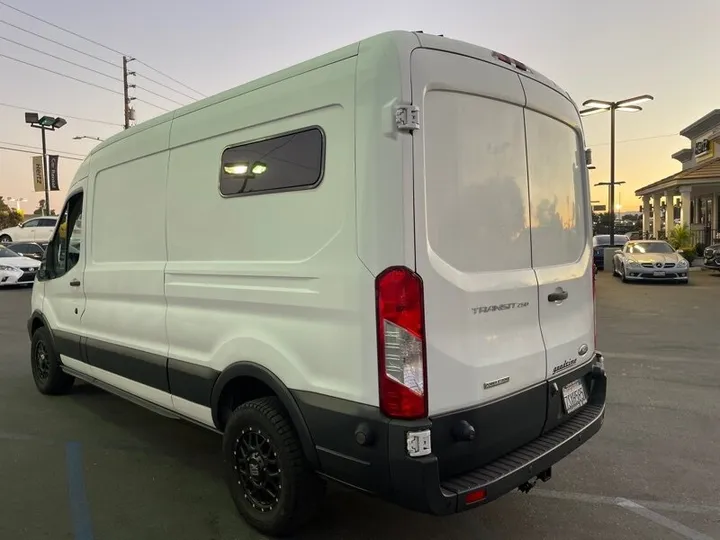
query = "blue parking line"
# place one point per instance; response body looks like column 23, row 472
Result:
column 79, row 508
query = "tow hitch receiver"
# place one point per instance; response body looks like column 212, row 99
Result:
column 544, row 476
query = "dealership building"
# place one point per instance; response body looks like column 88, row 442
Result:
column 694, row 191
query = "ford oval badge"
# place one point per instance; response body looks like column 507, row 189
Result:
column 583, row 349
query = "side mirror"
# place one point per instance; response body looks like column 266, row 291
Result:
column 680, row 251
column 618, row 251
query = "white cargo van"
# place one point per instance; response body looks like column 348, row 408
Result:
column 372, row 267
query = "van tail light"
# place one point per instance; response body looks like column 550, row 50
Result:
column 402, row 365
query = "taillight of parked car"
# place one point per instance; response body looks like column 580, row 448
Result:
column 402, row 366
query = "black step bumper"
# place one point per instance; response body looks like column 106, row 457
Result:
column 382, row 466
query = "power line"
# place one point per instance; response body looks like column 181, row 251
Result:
column 61, row 28
column 165, row 86
column 35, row 152
column 40, row 149
column 79, row 118
column 159, row 95
column 61, row 59
column 61, row 44
column 151, row 104
column 639, row 139
column 169, row 77
column 61, row 74
column 99, row 45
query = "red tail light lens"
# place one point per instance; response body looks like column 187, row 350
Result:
column 402, row 367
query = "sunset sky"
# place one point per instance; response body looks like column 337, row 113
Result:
column 607, row 50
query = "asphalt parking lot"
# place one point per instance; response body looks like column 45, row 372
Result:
column 91, row 466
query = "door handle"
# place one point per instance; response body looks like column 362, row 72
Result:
column 75, row 283
column 558, row 296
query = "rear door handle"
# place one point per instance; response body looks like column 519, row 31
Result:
column 558, row 296
column 75, row 283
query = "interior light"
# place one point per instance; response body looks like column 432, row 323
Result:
column 259, row 168
column 236, row 168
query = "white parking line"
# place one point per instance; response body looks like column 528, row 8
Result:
column 657, row 358
column 641, row 509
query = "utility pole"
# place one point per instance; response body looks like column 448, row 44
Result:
column 127, row 110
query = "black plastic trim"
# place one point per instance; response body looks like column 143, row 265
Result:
column 191, row 381
column 256, row 371
column 335, row 423
column 140, row 366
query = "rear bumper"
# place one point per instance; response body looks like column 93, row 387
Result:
column 375, row 459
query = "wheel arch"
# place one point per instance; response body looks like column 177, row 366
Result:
column 36, row 320
column 240, row 372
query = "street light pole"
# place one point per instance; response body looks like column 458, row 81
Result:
column 45, row 123
column 626, row 105
column 611, row 202
column 45, row 173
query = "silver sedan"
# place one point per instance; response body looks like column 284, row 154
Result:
column 650, row 260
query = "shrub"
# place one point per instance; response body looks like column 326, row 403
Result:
column 700, row 249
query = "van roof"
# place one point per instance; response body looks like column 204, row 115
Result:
column 397, row 40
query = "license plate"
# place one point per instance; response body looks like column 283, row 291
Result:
column 574, row 396
column 659, row 274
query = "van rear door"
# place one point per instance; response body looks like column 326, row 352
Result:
column 473, row 247
column 561, row 234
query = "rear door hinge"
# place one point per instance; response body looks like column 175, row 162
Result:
column 407, row 117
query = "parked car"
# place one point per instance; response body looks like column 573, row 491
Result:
column 650, row 260
column 16, row 269
column 602, row 241
column 32, row 230
column 711, row 257
column 348, row 323
column 27, row 249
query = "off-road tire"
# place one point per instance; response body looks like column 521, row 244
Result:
column 47, row 372
column 300, row 489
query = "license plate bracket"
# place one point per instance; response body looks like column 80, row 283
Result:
column 574, row 396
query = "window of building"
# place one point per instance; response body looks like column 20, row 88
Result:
column 287, row 162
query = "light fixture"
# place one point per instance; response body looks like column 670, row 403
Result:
column 635, row 100
column 31, row 118
column 59, row 122
column 629, row 108
column 46, row 121
column 592, row 110
column 258, row 168
column 236, row 168
column 596, row 103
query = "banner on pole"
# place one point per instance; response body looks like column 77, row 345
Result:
column 38, row 173
column 53, row 173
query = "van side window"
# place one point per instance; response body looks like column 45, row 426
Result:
column 63, row 251
column 287, row 162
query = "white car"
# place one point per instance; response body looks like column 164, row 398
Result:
column 389, row 293
column 650, row 260
column 33, row 230
column 16, row 269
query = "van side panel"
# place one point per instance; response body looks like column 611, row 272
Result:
column 270, row 278
column 383, row 170
column 124, row 319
